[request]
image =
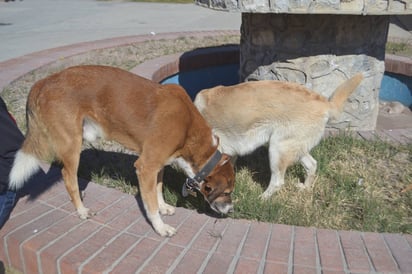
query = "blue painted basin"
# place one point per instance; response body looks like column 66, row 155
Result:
column 395, row 87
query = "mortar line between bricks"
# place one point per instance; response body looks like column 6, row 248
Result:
column 265, row 252
column 236, row 257
column 91, row 235
column 25, row 210
column 38, row 252
column 17, row 228
column 390, row 252
column 110, row 205
column 291, row 251
column 61, row 207
column 342, row 252
column 371, row 265
column 186, row 249
column 163, row 243
column 80, row 269
column 211, row 251
column 73, row 247
column 80, row 243
column 22, row 225
column 125, row 253
column 318, row 264
column 116, row 262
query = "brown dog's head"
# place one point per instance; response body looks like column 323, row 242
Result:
column 218, row 186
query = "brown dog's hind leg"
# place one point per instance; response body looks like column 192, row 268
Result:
column 70, row 161
column 147, row 174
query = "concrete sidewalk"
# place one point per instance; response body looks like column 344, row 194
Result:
column 33, row 25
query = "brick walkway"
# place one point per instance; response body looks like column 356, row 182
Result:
column 44, row 235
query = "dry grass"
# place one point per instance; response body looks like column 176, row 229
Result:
column 125, row 57
column 358, row 186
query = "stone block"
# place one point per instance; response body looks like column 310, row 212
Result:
column 320, row 52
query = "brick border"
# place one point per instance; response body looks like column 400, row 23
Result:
column 46, row 236
column 398, row 64
column 13, row 69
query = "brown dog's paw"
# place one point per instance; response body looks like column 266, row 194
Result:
column 85, row 213
column 166, row 209
column 166, row 230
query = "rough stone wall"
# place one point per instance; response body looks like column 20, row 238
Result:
column 320, row 52
column 371, row 7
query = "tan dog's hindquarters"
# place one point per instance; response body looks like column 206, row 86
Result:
column 288, row 117
column 158, row 122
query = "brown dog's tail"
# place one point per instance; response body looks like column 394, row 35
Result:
column 342, row 93
column 35, row 148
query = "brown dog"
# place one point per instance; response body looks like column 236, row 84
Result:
column 288, row 117
column 159, row 122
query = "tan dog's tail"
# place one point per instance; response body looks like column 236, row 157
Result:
column 342, row 93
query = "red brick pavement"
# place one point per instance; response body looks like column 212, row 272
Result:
column 44, row 235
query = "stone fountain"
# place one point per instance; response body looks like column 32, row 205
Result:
column 318, row 43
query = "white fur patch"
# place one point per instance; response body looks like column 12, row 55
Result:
column 215, row 140
column 200, row 102
column 24, row 166
column 185, row 166
column 245, row 143
column 91, row 130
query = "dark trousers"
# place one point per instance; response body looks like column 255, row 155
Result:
column 11, row 139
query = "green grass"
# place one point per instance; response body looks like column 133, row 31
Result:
column 357, row 187
column 402, row 49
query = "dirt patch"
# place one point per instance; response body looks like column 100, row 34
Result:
column 125, row 57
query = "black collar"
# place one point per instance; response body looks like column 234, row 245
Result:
column 192, row 184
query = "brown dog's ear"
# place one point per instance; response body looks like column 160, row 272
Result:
column 224, row 160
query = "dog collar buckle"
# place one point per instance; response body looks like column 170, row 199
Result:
column 193, row 184
column 190, row 187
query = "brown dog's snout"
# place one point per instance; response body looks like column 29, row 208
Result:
column 217, row 188
column 222, row 207
column 220, row 201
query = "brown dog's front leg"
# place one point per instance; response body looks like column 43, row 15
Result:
column 147, row 181
column 164, row 208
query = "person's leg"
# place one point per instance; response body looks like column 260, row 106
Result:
column 11, row 140
column 7, row 203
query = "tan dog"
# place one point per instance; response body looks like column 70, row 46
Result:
column 288, row 117
column 159, row 122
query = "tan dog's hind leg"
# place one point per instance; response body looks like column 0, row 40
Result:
column 279, row 161
column 310, row 166
column 278, row 173
column 147, row 174
column 164, row 208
